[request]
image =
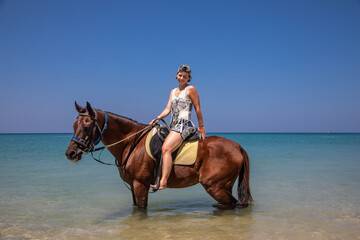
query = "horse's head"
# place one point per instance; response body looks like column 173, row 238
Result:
column 85, row 129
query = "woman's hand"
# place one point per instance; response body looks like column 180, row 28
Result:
column 155, row 121
column 202, row 133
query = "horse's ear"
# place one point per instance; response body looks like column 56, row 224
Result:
column 78, row 107
column 90, row 110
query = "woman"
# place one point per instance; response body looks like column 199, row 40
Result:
column 180, row 105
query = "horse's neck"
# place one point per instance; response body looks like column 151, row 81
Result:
column 118, row 129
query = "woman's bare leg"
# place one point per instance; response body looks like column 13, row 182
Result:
column 172, row 142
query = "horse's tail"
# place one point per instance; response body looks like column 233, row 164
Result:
column 244, row 194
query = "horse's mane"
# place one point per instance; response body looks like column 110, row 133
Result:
column 117, row 115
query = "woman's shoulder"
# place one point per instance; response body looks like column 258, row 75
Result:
column 191, row 89
column 191, row 92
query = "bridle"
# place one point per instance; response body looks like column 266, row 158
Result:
column 88, row 145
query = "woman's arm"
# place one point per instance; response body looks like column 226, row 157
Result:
column 164, row 113
column 194, row 96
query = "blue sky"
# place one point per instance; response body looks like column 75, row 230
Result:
column 259, row 66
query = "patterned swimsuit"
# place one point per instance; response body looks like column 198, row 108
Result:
column 181, row 107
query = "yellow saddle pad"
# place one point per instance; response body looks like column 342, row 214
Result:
column 185, row 156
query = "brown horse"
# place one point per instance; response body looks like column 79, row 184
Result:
column 219, row 161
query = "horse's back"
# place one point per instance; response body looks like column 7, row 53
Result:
column 219, row 146
column 215, row 151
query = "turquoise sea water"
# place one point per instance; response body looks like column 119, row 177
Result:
column 305, row 186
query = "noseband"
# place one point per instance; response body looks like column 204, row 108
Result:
column 89, row 144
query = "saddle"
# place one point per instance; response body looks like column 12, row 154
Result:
column 184, row 155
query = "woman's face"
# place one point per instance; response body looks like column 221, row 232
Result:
column 183, row 77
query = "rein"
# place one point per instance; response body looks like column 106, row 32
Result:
column 122, row 140
column 113, row 144
column 133, row 145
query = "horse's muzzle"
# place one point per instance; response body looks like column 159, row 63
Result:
column 73, row 154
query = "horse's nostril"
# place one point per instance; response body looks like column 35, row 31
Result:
column 71, row 154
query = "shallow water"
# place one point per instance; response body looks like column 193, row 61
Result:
column 305, row 186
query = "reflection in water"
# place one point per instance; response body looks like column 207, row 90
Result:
column 185, row 221
column 136, row 212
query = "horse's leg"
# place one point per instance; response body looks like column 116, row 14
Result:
column 222, row 194
column 133, row 194
column 141, row 193
column 218, row 184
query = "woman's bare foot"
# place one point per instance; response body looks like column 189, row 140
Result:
column 155, row 188
column 161, row 187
